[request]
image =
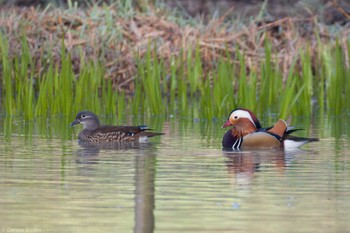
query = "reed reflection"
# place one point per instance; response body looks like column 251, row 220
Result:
column 145, row 161
column 144, row 193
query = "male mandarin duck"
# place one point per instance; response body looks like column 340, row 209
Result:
column 247, row 133
column 94, row 132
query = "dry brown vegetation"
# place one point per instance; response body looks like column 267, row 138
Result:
column 103, row 33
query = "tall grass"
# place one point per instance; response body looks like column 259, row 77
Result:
column 337, row 82
column 7, row 81
column 150, row 75
column 247, row 85
column 271, row 80
column 56, row 91
column 165, row 89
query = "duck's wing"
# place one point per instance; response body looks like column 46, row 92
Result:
column 125, row 129
column 258, row 139
column 261, row 139
column 129, row 131
column 266, row 137
column 279, row 128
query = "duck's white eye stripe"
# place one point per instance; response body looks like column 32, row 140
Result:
column 244, row 114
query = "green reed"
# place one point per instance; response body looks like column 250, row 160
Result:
column 271, row 88
column 347, row 79
column 333, row 75
column 64, row 87
column 170, row 86
column 149, row 78
column 194, row 70
column 223, row 88
column 305, row 82
column 7, row 81
column 54, row 90
column 337, row 82
column 218, row 90
column 181, row 82
column 24, row 81
column 45, row 100
column 247, row 89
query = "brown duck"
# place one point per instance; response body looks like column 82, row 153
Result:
column 94, row 132
column 247, row 133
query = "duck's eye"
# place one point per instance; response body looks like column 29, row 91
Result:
column 235, row 117
column 83, row 116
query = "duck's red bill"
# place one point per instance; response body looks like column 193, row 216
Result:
column 227, row 124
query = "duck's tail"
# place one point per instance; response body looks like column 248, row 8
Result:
column 290, row 141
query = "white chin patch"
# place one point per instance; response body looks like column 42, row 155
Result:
column 83, row 123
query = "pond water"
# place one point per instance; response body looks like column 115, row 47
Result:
column 180, row 182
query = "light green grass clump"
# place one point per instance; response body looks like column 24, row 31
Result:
column 177, row 87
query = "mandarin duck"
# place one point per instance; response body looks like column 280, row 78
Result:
column 247, row 133
column 94, row 132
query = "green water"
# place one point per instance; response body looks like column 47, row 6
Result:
column 180, row 182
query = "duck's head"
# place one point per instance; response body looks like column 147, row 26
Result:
column 88, row 119
column 241, row 116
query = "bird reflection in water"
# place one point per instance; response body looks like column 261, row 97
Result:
column 242, row 165
column 91, row 148
column 89, row 151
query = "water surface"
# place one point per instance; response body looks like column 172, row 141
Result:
column 180, row 182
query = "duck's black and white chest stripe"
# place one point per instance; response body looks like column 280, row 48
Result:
column 229, row 141
column 237, row 144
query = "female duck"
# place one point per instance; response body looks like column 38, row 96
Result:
column 94, row 132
